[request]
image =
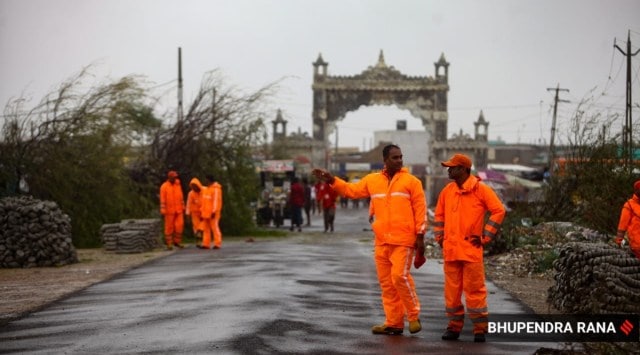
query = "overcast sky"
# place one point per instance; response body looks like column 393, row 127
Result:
column 503, row 54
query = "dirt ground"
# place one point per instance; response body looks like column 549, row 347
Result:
column 27, row 290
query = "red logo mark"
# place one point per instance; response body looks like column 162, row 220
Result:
column 626, row 327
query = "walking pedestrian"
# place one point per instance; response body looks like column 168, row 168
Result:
column 308, row 202
column 461, row 231
column 399, row 205
column 172, row 210
column 296, row 202
column 629, row 222
column 329, row 197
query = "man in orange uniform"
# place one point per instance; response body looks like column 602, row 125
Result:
column 210, row 211
column 172, row 209
column 399, row 206
column 630, row 221
column 461, row 231
column 193, row 203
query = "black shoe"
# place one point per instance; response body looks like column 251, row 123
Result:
column 383, row 329
column 479, row 338
column 450, row 335
column 201, row 246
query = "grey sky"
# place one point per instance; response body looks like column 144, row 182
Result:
column 503, row 54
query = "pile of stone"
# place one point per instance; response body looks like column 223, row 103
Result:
column 131, row 235
column 596, row 278
column 34, row 233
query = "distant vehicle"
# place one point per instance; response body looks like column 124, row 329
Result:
column 275, row 180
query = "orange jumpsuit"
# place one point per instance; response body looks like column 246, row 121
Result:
column 460, row 214
column 210, row 210
column 400, row 209
column 630, row 223
column 172, row 209
column 193, row 204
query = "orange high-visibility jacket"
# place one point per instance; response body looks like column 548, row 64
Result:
column 630, row 221
column 460, row 213
column 171, row 197
column 399, row 205
column 193, row 198
column 211, row 200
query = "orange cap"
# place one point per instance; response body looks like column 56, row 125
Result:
column 173, row 174
column 458, row 160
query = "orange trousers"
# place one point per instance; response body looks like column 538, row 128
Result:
column 173, row 228
column 209, row 226
column 195, row 222
column 399, row 298
column 467, row 277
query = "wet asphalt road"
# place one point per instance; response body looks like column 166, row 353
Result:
column 310, row 293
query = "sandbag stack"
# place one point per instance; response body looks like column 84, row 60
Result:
column 131, row 235
column 596, row 278
column 34, row 233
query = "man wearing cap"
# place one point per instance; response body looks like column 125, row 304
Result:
column 630, row 221
column 172, row 209
column 399, row 205
column 461, row 231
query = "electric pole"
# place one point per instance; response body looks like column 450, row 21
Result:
column 627, row 140
column 553, row 125
column 180, row 84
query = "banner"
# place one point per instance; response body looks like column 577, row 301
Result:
column 563, row 328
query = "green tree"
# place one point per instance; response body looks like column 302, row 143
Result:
column 217, row 136
column 593, row 182
column 71, row 148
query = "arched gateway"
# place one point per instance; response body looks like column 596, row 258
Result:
column 424, row 97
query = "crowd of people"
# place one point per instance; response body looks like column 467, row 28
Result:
column 203, row 206
column 468, row 215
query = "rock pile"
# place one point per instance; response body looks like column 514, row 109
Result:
column 131, row 235
column 34, row 233
column 596, row 278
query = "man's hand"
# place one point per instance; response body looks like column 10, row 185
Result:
column 619, row 241
column 323, row 175
column 476, row 241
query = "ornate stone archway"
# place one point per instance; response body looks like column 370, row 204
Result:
column 424, row 97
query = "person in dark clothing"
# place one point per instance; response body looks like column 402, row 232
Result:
column 296, row 201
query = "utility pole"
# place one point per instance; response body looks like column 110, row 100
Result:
column 180, row 114
column 553, row 125
column 627, row 140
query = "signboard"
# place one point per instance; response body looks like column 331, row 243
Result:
column 277, row 166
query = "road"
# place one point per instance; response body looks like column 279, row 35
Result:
column 309, row 293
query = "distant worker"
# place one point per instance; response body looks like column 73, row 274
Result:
column 172, row 210
column 629, row 223
column 400, row 209
column 461, row 231
column 193, row 204
column 211, row 210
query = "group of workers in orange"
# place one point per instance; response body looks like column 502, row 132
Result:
column 204, row 206
column 398, row 215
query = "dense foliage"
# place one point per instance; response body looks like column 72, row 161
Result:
column 99, row 151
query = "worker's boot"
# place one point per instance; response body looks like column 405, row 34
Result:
column 383, row 329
